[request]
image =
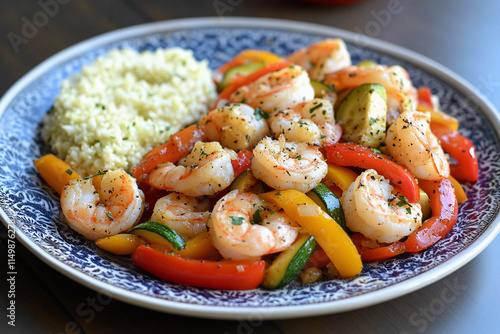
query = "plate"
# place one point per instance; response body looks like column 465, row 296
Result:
column 32, row 208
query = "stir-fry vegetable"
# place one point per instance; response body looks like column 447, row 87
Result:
column 348, row 154
column 55, row 172
column 230, row 275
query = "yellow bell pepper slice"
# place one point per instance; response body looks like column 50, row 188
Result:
column 459, row 191
column 120, row 244
column 55, row 172
column 199, row 247
column 325, row 230
column 340, row 176
column 440, row 117
column 257, row 56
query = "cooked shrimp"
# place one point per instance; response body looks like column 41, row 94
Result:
column 235, row 126
column 283, row 165
column 401, row 95
column 276, row 90
column 412, row 144
column 186, row 215
column 310, row 122
column 102, row 206
column 205, row 171
column 242, row 226
column 372, row 208
column 323, row 57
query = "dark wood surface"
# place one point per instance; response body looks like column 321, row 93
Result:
column 462, row 35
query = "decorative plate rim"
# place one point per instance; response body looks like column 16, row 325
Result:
column 278, row 312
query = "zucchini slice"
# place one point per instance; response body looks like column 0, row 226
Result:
column 244, row 69
column 247, row 182
column 363, row 115
column 367, row 63
column 320, row 89
column 158, row 233
column 330, row 203
column 289, row 263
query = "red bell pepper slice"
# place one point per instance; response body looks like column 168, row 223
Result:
column 319, row 259
column 227, row 275
column 178, row 146
column 459, row 148
column 444, row 207
column 378, row 253
column 242, row 162
column 425, row 97
column 245, row 80
column 355, row 155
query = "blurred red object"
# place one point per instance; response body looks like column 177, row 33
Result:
column 330, row 2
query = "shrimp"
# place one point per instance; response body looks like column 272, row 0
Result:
column 235, row 126
column 372, row 208
column 401, row 95
column 412, row 144
column 283, row 165
column 310, row 122
column 242, row 226
column 102, row 206
column 277, row 90
column 204, row 171
column 323, row 57
column 186, row 215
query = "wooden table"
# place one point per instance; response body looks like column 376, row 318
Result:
column 460, row 34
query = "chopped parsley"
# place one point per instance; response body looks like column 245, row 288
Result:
column 110, row 215
column 259, row 114
column 69, row 172
column 315, row 107
column 372, row 120
column 257, row 218
column 102, row 172
column 236, row 220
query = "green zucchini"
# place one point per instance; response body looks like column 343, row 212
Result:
column 289, row 263
column 247, row 182
column 159, row 233
column 367, row 63
column 320, row 89
column 244, row 69
column 327, row 200
column 363, row 115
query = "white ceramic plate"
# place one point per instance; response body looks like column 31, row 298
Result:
column 32, row 208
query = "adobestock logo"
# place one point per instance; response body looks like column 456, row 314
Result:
column 29, row 29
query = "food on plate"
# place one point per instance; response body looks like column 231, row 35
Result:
column 305, row 167
column 124, row 104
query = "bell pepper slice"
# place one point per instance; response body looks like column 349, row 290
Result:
column 177, row 147
column 226, row 275
column 355, row 155
column 459, row 191
column 120, row 244
column 319, row 259
column 459, row 148
column 373, row 251
column 444, row 207
column 340, row 176
column 245, row 80
column 425, row 97
column 242, row 162
column 325, row 230
column 55, row 172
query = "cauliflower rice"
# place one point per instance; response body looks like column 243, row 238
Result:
column 124, row 104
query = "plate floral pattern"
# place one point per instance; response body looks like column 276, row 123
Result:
column 33, row 208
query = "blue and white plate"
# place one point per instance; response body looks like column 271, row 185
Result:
column 30, row 206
